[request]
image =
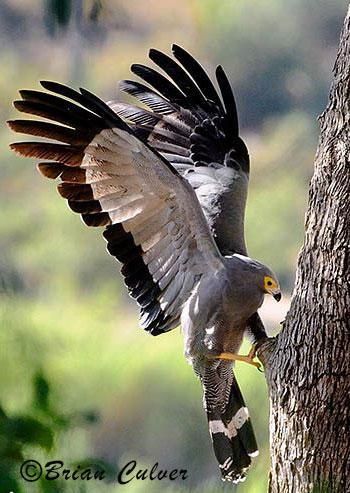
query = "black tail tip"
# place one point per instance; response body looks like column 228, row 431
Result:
column 234, row 477
column 232, row 473
column 236, row 473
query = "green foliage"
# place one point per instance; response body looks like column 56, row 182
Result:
column 41, row 392
column 27, row 430
column 23, row 436
column 59, row 13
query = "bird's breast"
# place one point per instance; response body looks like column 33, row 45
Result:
column 214, row 319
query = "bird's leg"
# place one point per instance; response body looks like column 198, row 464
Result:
column 249, row 358
column 255, row 329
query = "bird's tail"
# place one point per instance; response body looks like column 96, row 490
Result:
column 230, row 427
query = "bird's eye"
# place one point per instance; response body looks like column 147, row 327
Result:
column 269, row 283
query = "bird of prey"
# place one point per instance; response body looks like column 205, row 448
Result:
column 167, row 179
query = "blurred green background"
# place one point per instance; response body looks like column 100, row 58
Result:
column 79, row 380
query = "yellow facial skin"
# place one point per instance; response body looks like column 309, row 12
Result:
column 272, row 287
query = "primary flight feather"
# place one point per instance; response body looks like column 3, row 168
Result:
column 169, row 186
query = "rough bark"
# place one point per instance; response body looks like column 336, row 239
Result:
column 308, row 364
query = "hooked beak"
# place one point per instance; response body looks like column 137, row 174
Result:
column 277, row 296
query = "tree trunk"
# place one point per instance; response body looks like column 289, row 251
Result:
column 308, row 364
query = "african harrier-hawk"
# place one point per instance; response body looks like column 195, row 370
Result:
column 169, row 186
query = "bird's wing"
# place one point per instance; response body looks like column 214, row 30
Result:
column 189, row 125
column 154, row 223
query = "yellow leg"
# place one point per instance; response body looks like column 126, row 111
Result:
column 249, row 358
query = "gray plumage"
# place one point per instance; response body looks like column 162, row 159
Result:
column 169, row 184
column 223, row 301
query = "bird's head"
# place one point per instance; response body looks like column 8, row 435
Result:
column 263, row 277
column 271, row 285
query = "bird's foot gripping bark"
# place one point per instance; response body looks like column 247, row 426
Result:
column 249, row 358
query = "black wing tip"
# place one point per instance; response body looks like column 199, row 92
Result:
column 126, row 83
column 154, row 52
column 86, row 92
column 44, row 83
column 24, row 92
column 90, row 96
column 137, row 68
column 219, row 69
column 157, row 56
column 179, row 50
column 220, row 72
column 51, row 85
column 221, row 76
column 228, row 99
column 174, row 48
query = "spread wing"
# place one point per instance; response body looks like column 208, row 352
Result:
column 153, row 221
column 189, row 125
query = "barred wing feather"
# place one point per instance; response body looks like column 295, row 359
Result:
column 197, row 132
column 154, row 224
